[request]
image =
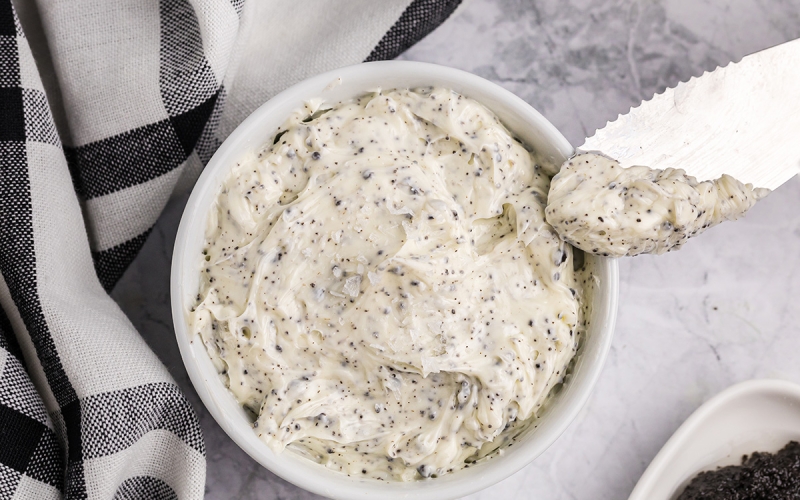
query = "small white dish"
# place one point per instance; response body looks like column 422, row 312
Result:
column 757, row 415
column 533, row 129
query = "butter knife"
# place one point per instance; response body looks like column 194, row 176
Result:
column 742, row 120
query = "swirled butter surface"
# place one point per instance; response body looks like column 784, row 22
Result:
column 380, row 289
column 605, row 209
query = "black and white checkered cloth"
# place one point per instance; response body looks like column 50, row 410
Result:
column 107, row 107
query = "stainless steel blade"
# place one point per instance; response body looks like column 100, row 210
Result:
column 742, row 119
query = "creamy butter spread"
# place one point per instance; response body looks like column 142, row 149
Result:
column 605, row 209
column 380, row 288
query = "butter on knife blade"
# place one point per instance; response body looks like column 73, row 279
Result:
column 742, row 120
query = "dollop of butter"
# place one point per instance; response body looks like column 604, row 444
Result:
column 604, row 209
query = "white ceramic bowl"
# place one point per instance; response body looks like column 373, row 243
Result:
column 757, row 415
column 533, row 129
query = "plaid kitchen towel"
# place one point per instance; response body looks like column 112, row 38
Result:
column 107, row 107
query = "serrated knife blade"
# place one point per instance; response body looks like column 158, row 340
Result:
column 742, row 119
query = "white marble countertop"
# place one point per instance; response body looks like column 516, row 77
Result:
column 722, row 310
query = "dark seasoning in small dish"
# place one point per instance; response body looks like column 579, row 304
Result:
column 761, row 476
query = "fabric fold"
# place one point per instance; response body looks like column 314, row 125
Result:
column 109, row 396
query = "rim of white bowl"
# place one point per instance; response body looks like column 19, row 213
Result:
column 219, row 400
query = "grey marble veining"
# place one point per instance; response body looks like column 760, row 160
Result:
column 722, row 310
